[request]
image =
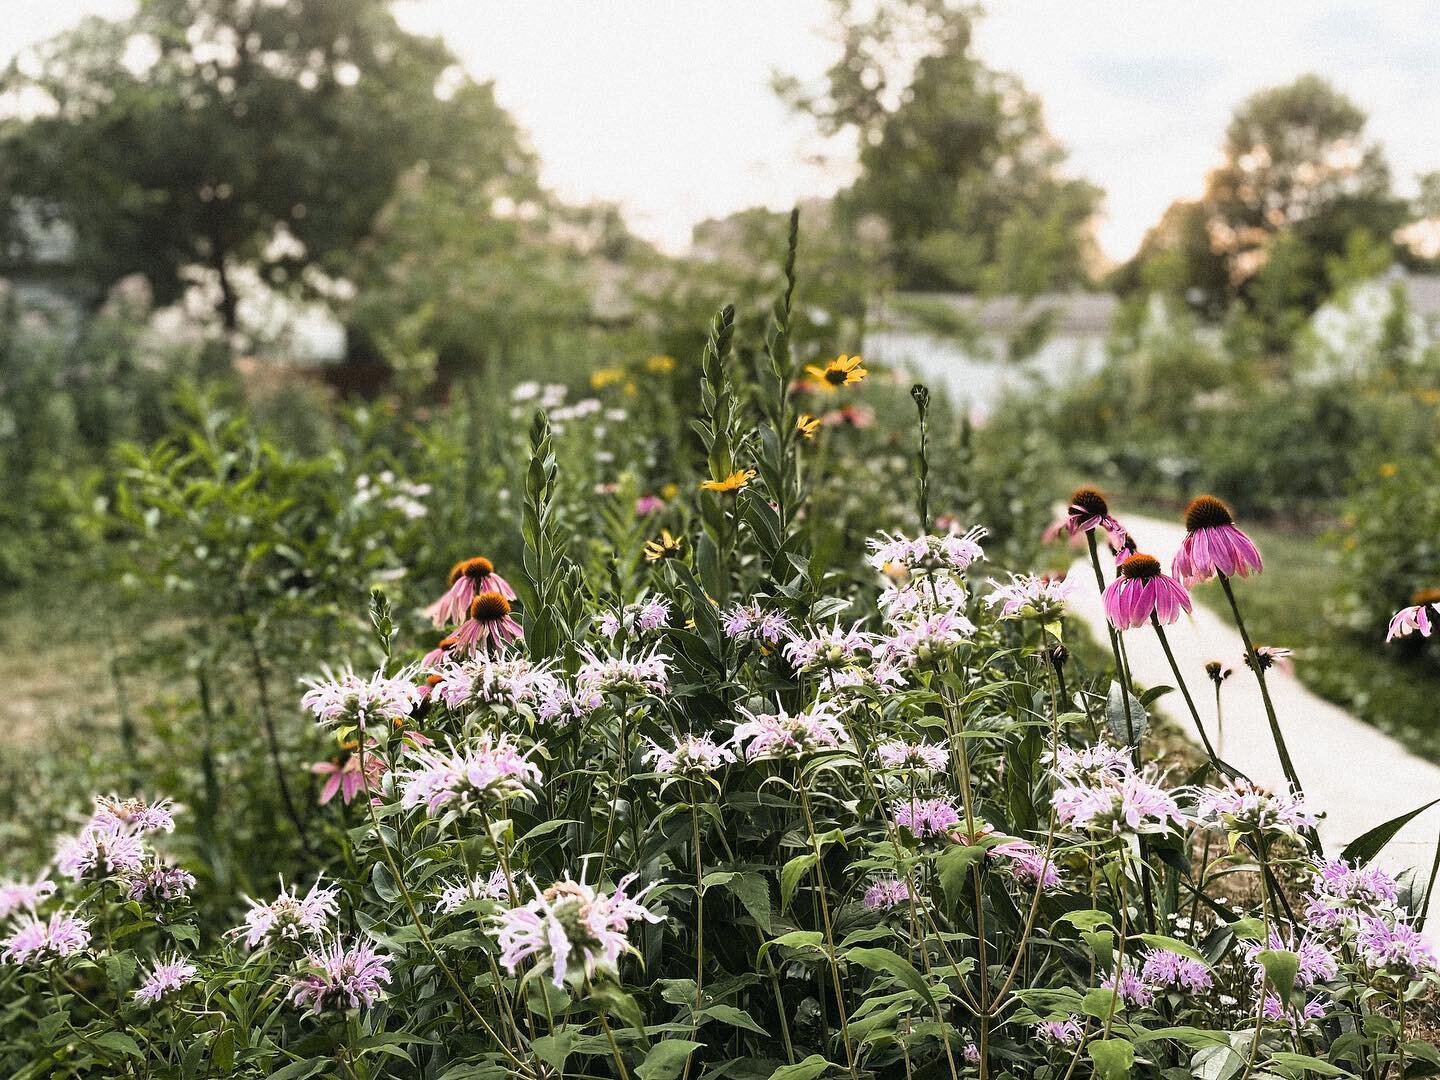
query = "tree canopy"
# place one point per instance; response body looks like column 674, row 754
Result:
column 207, row 134
column 955, row 159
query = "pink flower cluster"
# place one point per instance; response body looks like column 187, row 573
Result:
column 691, row 755
column 487, row 771
column 1038, row 595
column 289, row 917
column 494, row 886
column 1170, row 970
column 482, row 680
column 642, row 617
column 381, row 701
column 1241, row 807
column 887, row 893
column 624, row 675
column 954, row 552
column 341, row 976
column 789, row 735
column 753, row 623
column 35, row 939
column 1111, row 804
column 827, row 649
column 926, row 817
column 571, row 926
column 164, row 978
column 1409, row 620
column 911, row 755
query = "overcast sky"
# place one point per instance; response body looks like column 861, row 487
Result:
column 664, row 105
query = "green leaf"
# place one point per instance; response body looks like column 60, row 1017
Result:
column 795, row 939
column 1102, row 944
column 607, row 998
column 1365, row 847
column 1127, row 731
column 1281, row 966
column 1114, row 1058
column 1170, row 944
column 751, row 889
column 118, row 1042
column 666, row 1058
column 298, row 1070
column 729, row 1014
column 893, row 964
column 791, row 874
column 954, row 866
column 1304, row 1063
column 813, row 1066
column 1086, row 919
column 222, row 1051
column 1248, row 929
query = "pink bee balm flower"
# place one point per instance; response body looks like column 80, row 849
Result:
column 1171, row 970
column 24, row 895
column 494, row 886
column 341, row 977
column 1395, row 948
column 1408, row 620
column 886, row 894
column 908, row 755
column 570, row 926
column 489, row 621
column 36, row 939
column 786, row 735
column 1141, row 590
column 349, row 700
column 468, row 580
column 289, row 917
column 98, row 852
column 1214, row 544
column 115, row 814
column 1026, row 594
column 165, row 977
column 1130, row 987
column 926, row 817
column 648, row 504
column 695, row 755
column 160, row 885
column 1067, row 1032
column 486, row 771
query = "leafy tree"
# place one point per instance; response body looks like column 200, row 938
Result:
column 1298, row 182
column 216, row 134
column 955, row 158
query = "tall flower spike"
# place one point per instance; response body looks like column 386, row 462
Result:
column 1140, row 590
column 1214, row 543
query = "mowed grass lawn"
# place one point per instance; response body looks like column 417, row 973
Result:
column 1291, row 605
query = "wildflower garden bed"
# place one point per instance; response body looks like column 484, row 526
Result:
column 748, row 794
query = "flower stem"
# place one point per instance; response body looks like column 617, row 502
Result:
column 829, row 932
column 1311, row 836
column 1185, row 692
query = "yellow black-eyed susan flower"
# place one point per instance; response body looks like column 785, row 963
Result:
column 842, row 371
column 734, row 482
column 665, row 546
column 807, row 425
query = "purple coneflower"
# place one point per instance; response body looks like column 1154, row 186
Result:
column 1141, row 590
column 486, row 771
column 341, row 977
column 289, row 917
column 165, row 977
column 570, row 925
column 345, row 776
column 489, row 621
column 1087, row 512
column 468, row 580
column 1409, row 620
column 38, row 939
column 1213, row 544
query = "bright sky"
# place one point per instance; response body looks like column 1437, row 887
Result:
column 664, row 105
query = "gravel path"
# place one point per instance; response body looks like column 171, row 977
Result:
column 1358, row 775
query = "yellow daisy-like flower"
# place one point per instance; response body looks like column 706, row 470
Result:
column 842, row 371
column 669, row 491
column 1388, row 469
column 734, row 482
column 807, row 425
column 665, row 546
column 606, row 376
column 660, row 365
